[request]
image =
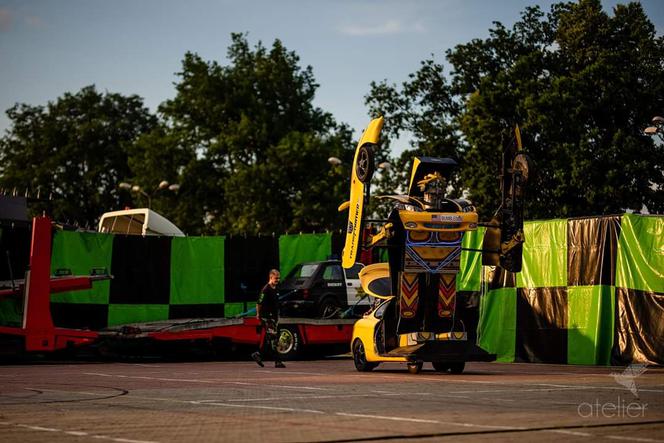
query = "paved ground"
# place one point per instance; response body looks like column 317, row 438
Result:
column 325, row 400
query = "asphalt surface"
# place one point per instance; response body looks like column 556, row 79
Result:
column 326, row 400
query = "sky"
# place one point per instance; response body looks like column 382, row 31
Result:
column 50, row 47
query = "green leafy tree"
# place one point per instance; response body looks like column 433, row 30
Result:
column 160, row 155
column 253, row 147
column 74, row 149
column 581, row 85
column 423, row 108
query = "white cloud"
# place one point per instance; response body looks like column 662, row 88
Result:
column 386, row 28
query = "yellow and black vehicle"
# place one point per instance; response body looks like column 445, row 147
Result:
column 422, row 318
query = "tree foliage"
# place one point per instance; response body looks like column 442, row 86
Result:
column 249, row 148
column 75, row 149
column 254, row 148
column 581, row 85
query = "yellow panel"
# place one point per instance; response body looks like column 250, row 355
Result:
column 353, row 229
column 371, row 273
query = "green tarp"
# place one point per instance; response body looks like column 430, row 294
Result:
column 469, row 277
column 197, row 270
column 233, row 309
column 590, row 324
column 640, row 262
column 497, row 328
column 544, row 255
column 11, row 311
column 299, row 248
column 80, row 252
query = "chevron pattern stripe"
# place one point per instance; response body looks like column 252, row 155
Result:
column 409, row 295
column 446, row 295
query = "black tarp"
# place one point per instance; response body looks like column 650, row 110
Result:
column 208, row 310
column 14, row 251
column 639, row 329
column 591, row 251
column 141, row 268
column 248, row 262
column 541, row 325
column 80, row 315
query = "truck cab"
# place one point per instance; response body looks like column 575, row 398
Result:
column 323, row 289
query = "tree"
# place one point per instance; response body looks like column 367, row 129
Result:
column 255, row 148
column 74, row 149
column 423, row 108
column 581, row 85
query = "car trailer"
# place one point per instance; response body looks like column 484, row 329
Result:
column 296, row 335
column 37, row 332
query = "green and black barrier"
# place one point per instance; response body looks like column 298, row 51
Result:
column 160, row 278
column 591, row 290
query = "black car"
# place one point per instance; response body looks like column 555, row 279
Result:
column 322, row 289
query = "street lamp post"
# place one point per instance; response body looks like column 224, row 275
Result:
column 139, row 190
column 657, row 127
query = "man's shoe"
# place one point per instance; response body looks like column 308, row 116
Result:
column 278, row 364
column 256, row 356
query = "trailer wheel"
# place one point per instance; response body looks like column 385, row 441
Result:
column 414, row 367
column 360, row 357
column 457, row 367
column 440, row 366
column 289, row 343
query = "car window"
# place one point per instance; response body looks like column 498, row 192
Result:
column 333, row 272
column 306, row 271
column 381, row 310
column 354, row 272
column 302, row 271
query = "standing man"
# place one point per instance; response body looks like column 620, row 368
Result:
column 267, row 311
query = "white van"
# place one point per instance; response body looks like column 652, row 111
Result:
column 142, row 221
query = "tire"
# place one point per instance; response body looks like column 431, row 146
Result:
column 360, row 357
column 457, row 367
column 440, row 366
column 289, row 343
column 329, row 308
column 414, row 367
column 364, row 167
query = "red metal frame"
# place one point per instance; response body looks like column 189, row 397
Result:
column 248, row 333
column 38, row 330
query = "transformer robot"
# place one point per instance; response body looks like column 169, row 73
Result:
column 422, row 318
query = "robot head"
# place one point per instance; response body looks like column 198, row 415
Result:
column 433, row 188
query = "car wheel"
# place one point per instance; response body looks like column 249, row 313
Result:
column 364, row 167
column 440, row 366
column 360, row 357
column 328, row 308
column 414, row 367
column 288, row 343
column 457, row 367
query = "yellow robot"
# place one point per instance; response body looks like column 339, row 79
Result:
column 421, row 317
